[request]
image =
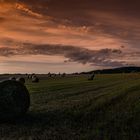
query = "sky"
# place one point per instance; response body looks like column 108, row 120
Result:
column 44, row 36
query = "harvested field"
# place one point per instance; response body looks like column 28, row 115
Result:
column 77, row 109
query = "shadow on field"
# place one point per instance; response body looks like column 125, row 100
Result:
column 46, row 119
column 66, row 123
column 48, row 125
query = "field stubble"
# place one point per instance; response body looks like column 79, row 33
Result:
column 107, row 108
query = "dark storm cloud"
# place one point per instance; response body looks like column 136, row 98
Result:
column 66, row 8
column 120, row 19
column 74, row 8
column 111, row 17
column 73, row 54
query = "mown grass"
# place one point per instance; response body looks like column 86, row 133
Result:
column 73, row 108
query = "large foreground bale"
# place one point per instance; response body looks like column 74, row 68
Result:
column 14, row 99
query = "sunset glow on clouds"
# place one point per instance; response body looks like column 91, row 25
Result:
column 68, row 36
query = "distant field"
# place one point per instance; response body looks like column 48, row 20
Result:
column 73, row 108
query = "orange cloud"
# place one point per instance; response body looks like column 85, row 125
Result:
column 84, row 24
column 24, row 8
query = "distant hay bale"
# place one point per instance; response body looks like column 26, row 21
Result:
column 63, row 75
column 14, row 99
column 35, row 79
column 91, row 77
column 12, row 78
column 21, row 80
column 49, row 74
column 32, row 75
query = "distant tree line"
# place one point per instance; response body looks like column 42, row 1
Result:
column 115, row 70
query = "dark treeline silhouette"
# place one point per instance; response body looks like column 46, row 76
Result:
column 115, row 70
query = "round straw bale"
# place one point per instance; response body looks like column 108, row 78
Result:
column 35, row 79
column 21, row 80
column 14, row 99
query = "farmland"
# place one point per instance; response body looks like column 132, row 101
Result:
column 107, row 108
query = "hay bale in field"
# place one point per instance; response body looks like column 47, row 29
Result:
column 21, row 80
column 32, row 75
column 35, row 79
column 49, row 74
column 12, row 78
column 14, row 99
column 28, row 76
column 91, row 77
column 63, row 75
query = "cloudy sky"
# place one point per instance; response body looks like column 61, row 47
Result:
column 44, row 36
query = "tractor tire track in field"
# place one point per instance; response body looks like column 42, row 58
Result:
column 94, row 89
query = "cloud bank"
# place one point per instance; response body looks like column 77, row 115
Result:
column 103, row 57
column 100, row 33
